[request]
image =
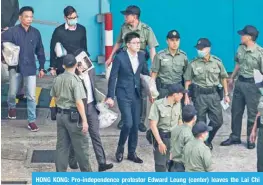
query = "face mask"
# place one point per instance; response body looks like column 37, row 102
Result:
column 72, row 22
column 201, row 54
column 206, row 137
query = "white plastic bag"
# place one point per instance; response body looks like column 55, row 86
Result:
column 11, row 53
column 106, row 116
column 150, row 86
column 60, row 50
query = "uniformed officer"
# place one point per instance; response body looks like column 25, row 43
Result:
column 207, row 73
column 258, row 125
column 196, row 155
column 249, row 57
column 69, row 93
column 169, row 65
column 165, row 114
column 181, row 135
column 147, row 38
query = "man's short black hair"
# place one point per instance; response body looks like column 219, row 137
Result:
column 129, row 36
column 69, row 10
column 25, row 9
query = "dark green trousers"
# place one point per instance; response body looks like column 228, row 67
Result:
column 209, row 104
column 161, row 160
column 245, row 94
column 71, row 133
column 260, row 150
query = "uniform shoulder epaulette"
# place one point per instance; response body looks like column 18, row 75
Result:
column 194, row 60
column 260, row 49
column 145, row 26
column 161, row 51
column 215, row 57
column 180, row 51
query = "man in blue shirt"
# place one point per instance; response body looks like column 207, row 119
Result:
column 30, row 42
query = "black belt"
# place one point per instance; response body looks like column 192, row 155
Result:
column 209, row 90
column 64, row 111
column 243, row 79
column 165, row 86
column 165, row 134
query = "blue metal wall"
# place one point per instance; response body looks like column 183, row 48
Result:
column 218, row 20
column 52, row 10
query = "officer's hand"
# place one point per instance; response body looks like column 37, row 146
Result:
column 108, row 62
column 162, row 148
column 227, row 99
column 253, row 136
column 41, row 74
column 186, row 100
column 53, row 72
column 230, row 82
column 110, row 102
column 85, row 128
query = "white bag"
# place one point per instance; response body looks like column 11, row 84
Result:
column 150, row 86
column 4, row 73
column 10, row 53
column 106, row 116
column 60, row 50
column 85, row 61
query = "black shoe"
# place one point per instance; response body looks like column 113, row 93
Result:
column 142, row 127
column 104, row 167
column 74, row 166
column 210, row 146
column 134, row 158
column 119, row 156
column 229, row 142
column 250, row 145
column 120, row 124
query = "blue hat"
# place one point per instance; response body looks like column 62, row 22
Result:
column 69, row 60
column 249, row 30
column 203, row 43
column 132, row 10
column 176, row 88
column 188, row 113
column 201, row 127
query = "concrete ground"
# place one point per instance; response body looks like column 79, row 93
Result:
column 18, row 143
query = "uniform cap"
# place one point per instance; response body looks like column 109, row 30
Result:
column 69, row 60
column 176, row 88
column 249, row 30
column 188, row 113
column 134, row 10
column 203, row 43
column 200, row 127
column 173, row 34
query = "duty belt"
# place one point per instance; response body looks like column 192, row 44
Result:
column 248, row 80
column 164, row 134
column 165, row 86
column 209, row 90
column 64, row 111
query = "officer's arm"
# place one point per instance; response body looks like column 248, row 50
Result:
column 188, row 75
column 154, row 119
column 79, row 95
column 155, row 67
column 261, row 62
column 152, row 43
column 236, row 69
column 113, row 77
column 223, row 76
column 117, row 45
column 207, row 160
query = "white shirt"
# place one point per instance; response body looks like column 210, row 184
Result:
column 88, row 87
column 134, row 61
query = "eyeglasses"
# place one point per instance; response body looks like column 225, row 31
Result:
column 137, row 43
column 70, row 18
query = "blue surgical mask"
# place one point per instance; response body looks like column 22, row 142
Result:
column 201, row 54
column 72, row 22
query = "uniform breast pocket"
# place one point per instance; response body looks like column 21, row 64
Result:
column 214, row 69
column 165, row 65
column 165, row 115
column 178, row 67
column 198, row 71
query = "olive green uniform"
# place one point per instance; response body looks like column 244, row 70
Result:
column 181, row 135
column 197, row 157
column 169, row 69
column 167, row 117
column 260, row 138
column 147, row 38
column 246, row 93
column 206, row 77
column 68, row 89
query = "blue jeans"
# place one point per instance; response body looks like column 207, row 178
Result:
column 15, row 80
